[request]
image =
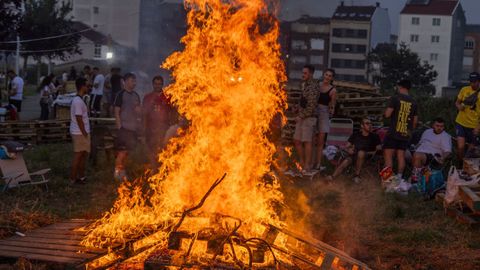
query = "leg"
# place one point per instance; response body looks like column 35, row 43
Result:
column 320, row 144
column 360, row 161
column 343, row 165
column 388, row 157
column 461, row 148
column 300, row 152
column 419, row 160
column 77, row 156
column 81, row 166
column 401, row 161
column 308, row 156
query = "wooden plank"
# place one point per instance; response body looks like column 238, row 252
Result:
column 54, row 236
column 470, row 198
column 40, row 257
column 41, row 251
column 67, row 226
column 52, row 246
column 45, row 240
column 48, row 231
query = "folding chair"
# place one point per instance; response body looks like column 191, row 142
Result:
column 15, row 173
column 340, row 131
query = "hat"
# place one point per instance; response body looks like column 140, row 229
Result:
column 405, row 84
column 474, row 76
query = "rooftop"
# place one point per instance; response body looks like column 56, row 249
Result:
column 354, row 13
column 430, row 7
column 92, row 34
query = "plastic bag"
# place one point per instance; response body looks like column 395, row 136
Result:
column 454, row 181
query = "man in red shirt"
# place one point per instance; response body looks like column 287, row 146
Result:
column 157, row 114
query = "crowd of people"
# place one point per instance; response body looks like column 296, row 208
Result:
column 153, row 117
column 317, row 105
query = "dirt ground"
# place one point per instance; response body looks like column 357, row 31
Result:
column 385, row 231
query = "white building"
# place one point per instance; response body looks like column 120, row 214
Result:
column 435, row 30
column 355, row 31
column 119, row 19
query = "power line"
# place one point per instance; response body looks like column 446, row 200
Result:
column 39, row 51
column 45, row 38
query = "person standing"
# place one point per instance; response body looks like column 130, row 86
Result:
column 467, row 123
column 45, row 97
column 97, row 93
column 116, row 83
column 402, row 111
column 305, row 119
column 80, row 132
column 157, row 116
column 107, row 93
column 15, row 93
column 326, row 108
column 128, row 113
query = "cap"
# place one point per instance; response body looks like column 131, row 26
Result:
column 474, row 76
column 405, row 84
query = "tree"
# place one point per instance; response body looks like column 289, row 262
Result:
column 389, row 64
column 10, row 17
column 48, row 18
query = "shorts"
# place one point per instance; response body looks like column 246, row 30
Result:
column 16, row 103
column 304, row 129
column 126, row 140
column 81, row 143
column 466, row 133
column 392, row 143
column 323, row 124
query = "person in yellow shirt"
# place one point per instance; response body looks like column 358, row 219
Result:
column 467, row 123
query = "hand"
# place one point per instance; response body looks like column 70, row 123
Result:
column 476, row 131
column 331, row 110
column 461, row 107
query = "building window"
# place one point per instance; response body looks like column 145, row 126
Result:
column 349, row 33
column 435, row 39
column 348, row 48
column 316, row 59
column 317, row 44
column 299, row 45
column 347, row 63
column 467, row 61
column 469, row 44
column 413, row 38
column 95, row 10
column 97, row 53
column 298, row 59
column 415, row 20
column 433, row 56
column 436, row 21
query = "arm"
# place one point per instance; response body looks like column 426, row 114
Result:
column 333, row 101
column 415, row 121
column 459, row 105
column 117, row 117
column 81, row 125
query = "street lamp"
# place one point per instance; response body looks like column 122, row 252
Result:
column 109, row 55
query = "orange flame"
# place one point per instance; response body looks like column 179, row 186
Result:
column 227, row 83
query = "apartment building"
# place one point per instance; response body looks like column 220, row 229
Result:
column 354, row 32
column 305, row 41
column 471, row 52
column 435, row 30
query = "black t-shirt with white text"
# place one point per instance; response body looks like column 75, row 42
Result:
column 404, row 111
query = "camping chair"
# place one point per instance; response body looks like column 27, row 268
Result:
column 15, row 173
column 340, row 131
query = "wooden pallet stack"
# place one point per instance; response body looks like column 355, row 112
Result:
column 354, row 101
column 42, row 132
column 467, row 211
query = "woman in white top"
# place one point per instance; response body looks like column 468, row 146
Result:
column 45, row 97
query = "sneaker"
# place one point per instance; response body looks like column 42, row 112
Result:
column 357, row 179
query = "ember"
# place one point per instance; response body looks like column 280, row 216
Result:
column 227, row 83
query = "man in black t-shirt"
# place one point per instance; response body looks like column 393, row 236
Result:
column 402, row 111
column 359, row 145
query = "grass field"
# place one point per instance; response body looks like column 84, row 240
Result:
column 386, row 231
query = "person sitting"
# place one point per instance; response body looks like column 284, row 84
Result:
column 360, row 144
column 435, row 143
